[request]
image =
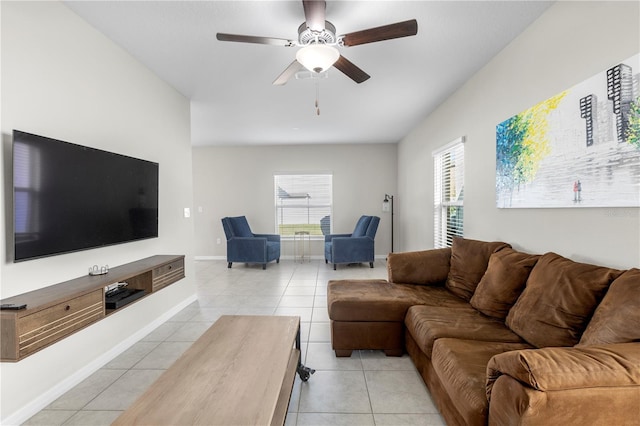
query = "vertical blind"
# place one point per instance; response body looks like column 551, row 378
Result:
column 448, row 193
column 303, row 203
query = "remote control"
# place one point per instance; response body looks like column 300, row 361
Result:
column 13, row 306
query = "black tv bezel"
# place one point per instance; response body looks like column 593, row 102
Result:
column 97, row 246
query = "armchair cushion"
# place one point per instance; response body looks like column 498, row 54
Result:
column 330, row 237
column 240, row 227
column 275, row 238
column 361, row 226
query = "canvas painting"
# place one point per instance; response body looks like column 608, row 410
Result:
column 579, row 148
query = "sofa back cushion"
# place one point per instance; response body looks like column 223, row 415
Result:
column 503, row 282
column 469, row 260
column 559, row 298
column 617, row 318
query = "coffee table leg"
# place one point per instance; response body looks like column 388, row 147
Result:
column 303, row 372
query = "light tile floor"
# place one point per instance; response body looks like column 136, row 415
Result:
column 366, row 389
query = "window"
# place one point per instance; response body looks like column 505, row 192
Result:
column 448, row 193
column 26, row 181
column 303, row 203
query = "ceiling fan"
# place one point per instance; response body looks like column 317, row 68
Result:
column 317, row 41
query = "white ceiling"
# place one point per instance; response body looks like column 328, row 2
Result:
column 229, row 84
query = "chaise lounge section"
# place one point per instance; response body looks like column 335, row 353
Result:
column 500, row 336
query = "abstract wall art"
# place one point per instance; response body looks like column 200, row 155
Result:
column 579, row 148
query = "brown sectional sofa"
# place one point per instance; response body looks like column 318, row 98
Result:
column 503, row 337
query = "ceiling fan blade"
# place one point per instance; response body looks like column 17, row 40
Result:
column 314, row 13
column 253, row 39
column 386, row 32
column 293, row 68
column 350, row 70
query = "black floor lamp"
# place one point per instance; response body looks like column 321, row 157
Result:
column 387, row 205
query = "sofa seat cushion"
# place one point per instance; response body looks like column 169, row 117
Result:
column 429, row 323
column 469, row 260
column 379, row 300
column 461, row 366
column 559, row 299
column 617, row 318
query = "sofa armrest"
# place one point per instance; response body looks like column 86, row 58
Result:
column 514, row 403
column 419, row 267
column 552, row 369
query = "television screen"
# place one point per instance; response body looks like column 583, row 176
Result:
column 69, row 197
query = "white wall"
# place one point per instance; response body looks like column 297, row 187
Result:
column 63, row 79
column 571, row 42
column 236, row 181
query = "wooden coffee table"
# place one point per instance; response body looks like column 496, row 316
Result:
column 239, row 372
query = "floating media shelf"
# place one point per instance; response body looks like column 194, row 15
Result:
column 57, row 311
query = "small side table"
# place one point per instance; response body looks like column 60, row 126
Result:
column 302, row 246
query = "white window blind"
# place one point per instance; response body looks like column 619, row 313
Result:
column 448, row 191
column 303, row 203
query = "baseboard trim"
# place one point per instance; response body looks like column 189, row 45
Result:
column 46, row 398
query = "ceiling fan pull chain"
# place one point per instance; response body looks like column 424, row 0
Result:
column 317, row 96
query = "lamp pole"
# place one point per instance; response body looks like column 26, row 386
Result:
column 386, row 203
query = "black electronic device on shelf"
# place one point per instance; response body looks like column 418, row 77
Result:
column 119, row 297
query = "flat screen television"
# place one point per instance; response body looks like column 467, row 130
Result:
column 68, row 197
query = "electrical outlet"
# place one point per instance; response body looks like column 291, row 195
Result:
column 187, row 212
column 218, row 241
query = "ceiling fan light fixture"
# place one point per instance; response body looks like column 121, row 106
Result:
column 317, row 57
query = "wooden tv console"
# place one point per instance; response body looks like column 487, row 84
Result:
column 57, row 311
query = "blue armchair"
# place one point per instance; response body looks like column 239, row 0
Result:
column 356, row 247
column 247, row 247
